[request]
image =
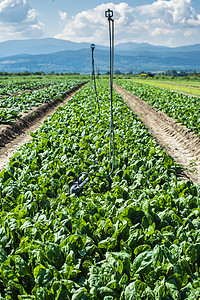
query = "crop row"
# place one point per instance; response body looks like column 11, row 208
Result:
column 183, row 108
column 134, row 235
column 12, row 87
column 11, row 107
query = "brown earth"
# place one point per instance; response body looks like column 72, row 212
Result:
column 180, row 143
column 18, row 133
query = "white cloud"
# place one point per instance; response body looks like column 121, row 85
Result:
column 92, row 25
column 166, row 22
column 173, row 12
column 19, row 20
column 31, row 15
column 63, row 16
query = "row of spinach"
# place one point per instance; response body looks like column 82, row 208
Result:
column 10, row 86
column 183, row 108
column 11, row 107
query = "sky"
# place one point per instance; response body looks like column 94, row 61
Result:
column 159, row 22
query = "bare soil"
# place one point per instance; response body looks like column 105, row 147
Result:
column 180, row 143
column 16, row 134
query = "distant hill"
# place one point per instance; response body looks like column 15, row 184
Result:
column 129, row 47
column 39, row 46
column 65, row 56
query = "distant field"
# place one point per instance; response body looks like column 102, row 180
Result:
column 189, row 87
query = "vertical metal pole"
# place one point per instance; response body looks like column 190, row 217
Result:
column 109, row 15
column 92, row 46
column 111, row 88
column 91, row 96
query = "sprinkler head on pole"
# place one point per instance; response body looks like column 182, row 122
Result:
column 92, row 46
column 109, row 14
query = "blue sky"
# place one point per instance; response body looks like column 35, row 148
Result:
column 159, row 22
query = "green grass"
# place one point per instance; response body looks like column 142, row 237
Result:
column 178, row 86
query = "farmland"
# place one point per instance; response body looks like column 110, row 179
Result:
column 187, row 86
column 183, row 108
column 16, row 103
column 133, row 235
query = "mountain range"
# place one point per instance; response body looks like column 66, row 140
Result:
column 56, row 55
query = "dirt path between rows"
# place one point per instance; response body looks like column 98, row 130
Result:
column 18, row 133
column 180, row 143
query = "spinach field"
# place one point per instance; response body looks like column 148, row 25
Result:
column 134, row 235
column 29, row 95
column 183, row 108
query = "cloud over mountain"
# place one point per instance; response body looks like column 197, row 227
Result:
column 163, row 22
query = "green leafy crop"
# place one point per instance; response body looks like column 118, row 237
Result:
column 12, row 106
column 135, row 235
column 183, row 108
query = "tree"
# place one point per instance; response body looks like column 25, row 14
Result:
column 117, row 72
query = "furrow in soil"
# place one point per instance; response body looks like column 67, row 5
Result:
column 175, row 138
